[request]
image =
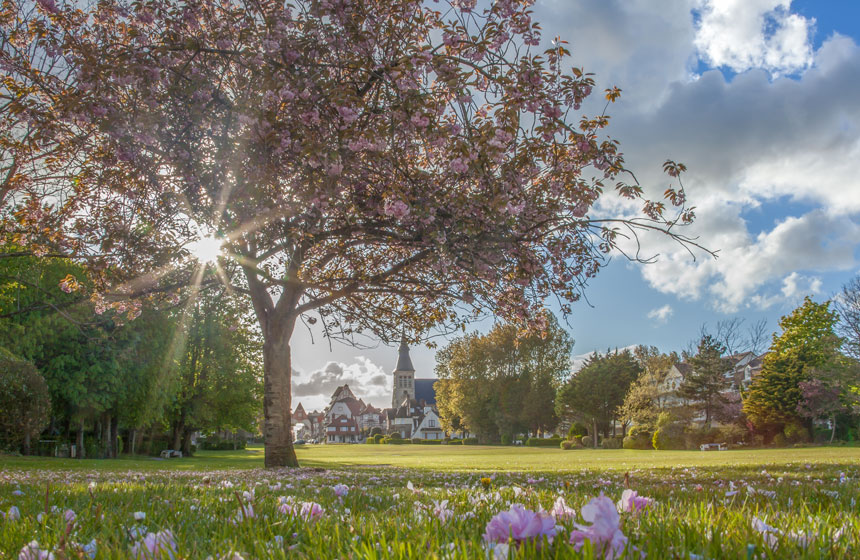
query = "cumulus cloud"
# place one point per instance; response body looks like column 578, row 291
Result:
column 744, row 34
column 661, row 314
column 366, row 379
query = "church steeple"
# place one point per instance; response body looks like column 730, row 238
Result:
column 404, row 362
column 404, row 377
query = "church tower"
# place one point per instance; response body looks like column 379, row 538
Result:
column 404, row 377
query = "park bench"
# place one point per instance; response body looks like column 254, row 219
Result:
column 171, row 453
column 713, row 447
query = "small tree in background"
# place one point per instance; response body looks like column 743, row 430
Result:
column 704, row 385
column 25, row 402
column 807, row 342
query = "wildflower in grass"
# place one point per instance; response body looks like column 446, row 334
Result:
column 311, row 511
column 17, row 492
column 139, row 516
column 33, row 551
column 245, row 512
column 561, row 511
column 441, row 510
column 497, row 551
column 14, row 514
column 340, row 490
column 155, row 546
column 604, row 533
column 631, row 502
column 69, row 516
column 519, row 524
column 769, row 534
column 486, row 481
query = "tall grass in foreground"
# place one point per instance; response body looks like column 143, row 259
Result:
column 791, row 511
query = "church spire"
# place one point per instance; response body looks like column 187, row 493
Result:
column 404, row 362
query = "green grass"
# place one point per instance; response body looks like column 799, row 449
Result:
column 459, row 458
column 705, row 502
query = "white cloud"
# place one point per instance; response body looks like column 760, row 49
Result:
column 661, row 314
column 744, row 34
column 366, row 379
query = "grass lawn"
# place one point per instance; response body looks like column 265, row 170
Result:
column 461, row 458
column 380, row 502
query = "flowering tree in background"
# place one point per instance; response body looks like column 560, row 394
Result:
column 379, row 166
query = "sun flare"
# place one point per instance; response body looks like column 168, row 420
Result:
column 206, row 249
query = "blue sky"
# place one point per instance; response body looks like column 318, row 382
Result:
column 761, row 100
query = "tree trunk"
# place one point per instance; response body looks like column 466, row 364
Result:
column 26, row 438
column 132, row 436
column 832, row 427
column 80, row 441
column 186, row 443
column 178, row 429
column 114, row 438
column 594, row 432
column 277, row 429
column 106, row 435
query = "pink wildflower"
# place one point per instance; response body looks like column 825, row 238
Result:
column 631, row 502
column 604, row 532
column 441, row 510
column 340, row 490
column 33, row 551
column 154, row 546
column 311, row 511
column 561, row 511
column 519, row 524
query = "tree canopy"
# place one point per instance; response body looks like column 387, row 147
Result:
column 380, row 166
column 807, row 341
column 501, row 384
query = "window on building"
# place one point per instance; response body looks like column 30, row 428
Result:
column 431, row 423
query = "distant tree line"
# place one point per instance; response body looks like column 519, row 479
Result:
column 498, row 385
column 112, row 379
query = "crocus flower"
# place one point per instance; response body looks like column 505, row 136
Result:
column 519, row 524
column 33, row 551
column 155, row 546
column 604, row 532
column 561, row 511
column 14, row 514
column 769, row 534
column 311, row 511
column 340, row 490
column 631, row 502
column 441, row 510
column 139, row 516
column 69, row 516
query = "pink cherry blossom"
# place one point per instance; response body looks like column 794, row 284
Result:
column 519, row 524
column 396, row 208
column 604, row 532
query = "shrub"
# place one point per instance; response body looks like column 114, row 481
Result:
column 470, row 441
column 612, row 443
column 641, row 440
column 544, row 442
column 377, row 431
column 567, row 444
column 25, row 402
column 577, row 429
column 395, row 435
column 797, row 433
column 779, row 440
column 506, row 439
column 371, row 440
column 455, row 441
column 586, row 441
column 694, row 438
column 419, row 441
column 731, row 433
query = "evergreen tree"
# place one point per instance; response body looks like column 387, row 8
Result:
column 704, row 386
column 807, row 341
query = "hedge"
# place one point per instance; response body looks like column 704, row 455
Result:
column 420, row 441
column 544, row 442
column 470, row 441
